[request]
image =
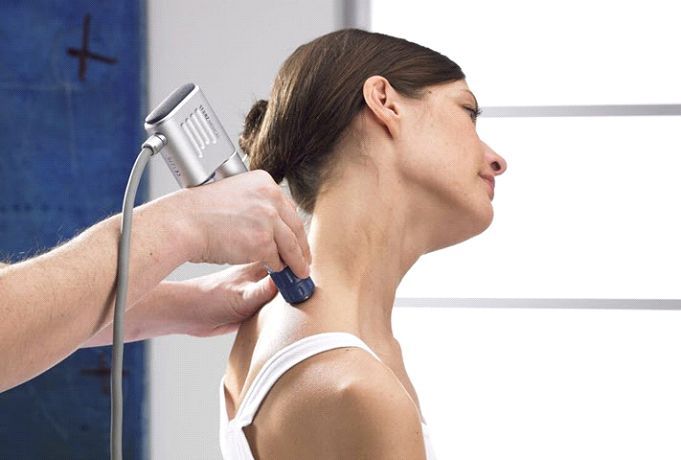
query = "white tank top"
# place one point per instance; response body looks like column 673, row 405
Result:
column 233, row 442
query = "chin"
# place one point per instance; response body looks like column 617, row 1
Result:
column 475, row 222
column 487, row 216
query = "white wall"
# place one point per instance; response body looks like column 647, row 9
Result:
column 232, row 50
column 581, row 220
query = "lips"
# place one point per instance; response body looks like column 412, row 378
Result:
column 490, row 182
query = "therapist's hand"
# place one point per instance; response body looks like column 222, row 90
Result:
column 224, row 299
column 210, row 305
column 242, row 219
column 65, row 296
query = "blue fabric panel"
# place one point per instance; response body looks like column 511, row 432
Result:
column 70, row 130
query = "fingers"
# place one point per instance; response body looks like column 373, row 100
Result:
column 270, row 230
column 255, row 295
column 256, row 272
column 289, row 250
column 290, row 217
column 290, row 239
column 247, row 272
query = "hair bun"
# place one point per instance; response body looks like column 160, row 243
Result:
column 252, row 125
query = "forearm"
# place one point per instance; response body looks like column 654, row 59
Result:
column 52, row 304
column 170, row 308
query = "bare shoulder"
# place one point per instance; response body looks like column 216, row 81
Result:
column 344, row 404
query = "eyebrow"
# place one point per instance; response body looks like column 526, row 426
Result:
column 477, row 106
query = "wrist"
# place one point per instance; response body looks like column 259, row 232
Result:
column 175, row 212
column 163, row 310
column 183, row 302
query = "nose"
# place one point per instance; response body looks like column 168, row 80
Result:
column 495, row 160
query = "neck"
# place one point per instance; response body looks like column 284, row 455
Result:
column 363, row 240
column 364, row 237
column 362, row 244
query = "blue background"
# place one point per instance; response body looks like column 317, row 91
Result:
column 66, row 150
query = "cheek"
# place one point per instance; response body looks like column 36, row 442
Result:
column 426, row 152
column 456, row 160
column 445, row 157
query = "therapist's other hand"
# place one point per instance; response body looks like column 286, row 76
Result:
column 222, row 300
column 243, row 219
column 210, row 305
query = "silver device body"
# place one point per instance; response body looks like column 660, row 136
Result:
column 198, row 148
column 186, row 131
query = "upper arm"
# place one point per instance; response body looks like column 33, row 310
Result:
column 378, row 422
column 367, row 414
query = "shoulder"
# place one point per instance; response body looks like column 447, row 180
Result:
column 348, row 403
column 374, row 418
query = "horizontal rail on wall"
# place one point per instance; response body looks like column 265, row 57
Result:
column 606, row 304
column 583, row 111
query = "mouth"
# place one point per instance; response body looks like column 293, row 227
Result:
column 490, row 183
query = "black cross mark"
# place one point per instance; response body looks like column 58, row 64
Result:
column 84, row 52
column 102, row 371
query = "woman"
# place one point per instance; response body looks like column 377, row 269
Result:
column 376, row 138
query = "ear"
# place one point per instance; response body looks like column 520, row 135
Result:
column 384, row 103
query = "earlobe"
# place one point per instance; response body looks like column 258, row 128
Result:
column 382, row 100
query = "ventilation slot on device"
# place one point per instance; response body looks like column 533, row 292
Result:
column 198, row 131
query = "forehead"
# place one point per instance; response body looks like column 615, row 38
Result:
column 446, row 93
column 454, row 89
column 458, row 86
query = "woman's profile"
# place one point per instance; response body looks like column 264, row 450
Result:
column 376, row 138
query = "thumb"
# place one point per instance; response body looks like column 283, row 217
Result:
column 250, row 272
column 257, row 294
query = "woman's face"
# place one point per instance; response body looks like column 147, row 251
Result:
column 450, row 169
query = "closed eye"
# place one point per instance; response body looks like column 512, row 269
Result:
column 475, row 113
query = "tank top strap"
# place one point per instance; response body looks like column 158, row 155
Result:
column 285, row 359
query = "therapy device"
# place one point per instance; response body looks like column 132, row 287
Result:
column 186, row 131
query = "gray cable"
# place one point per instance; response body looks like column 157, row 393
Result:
column 121, row 295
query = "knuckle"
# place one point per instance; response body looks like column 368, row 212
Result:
column 265, row 189
column 275, row 193
column 269, row 213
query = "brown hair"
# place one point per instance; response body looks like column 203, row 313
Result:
column 318, row 92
